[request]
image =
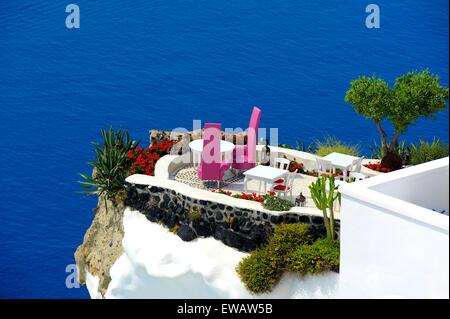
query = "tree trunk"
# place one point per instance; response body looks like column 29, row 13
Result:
column 394, row 143
column 382, row 135
column 392, row 160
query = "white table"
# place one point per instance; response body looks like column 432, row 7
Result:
column 265, row 174
column 226, row 149
column 341, row 161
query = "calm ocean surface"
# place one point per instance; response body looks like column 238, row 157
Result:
column 160, row 64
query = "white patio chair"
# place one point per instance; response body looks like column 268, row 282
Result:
column 282, row 163
column 355, row 172
column 324, row 167
column 286, row 187
column 357, row 163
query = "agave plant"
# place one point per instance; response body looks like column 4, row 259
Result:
column 324, row 200
column 110, row 165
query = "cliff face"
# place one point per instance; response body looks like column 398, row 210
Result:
column 102, row 244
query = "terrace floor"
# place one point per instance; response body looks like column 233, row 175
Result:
column 235, row 184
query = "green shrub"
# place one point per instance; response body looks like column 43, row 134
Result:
column 289, row 249
column 194, row 214
column 257, row 272
column 332, row 144
column 275, row 203
column 286, row 238
column 425, row 152
column 321, row 256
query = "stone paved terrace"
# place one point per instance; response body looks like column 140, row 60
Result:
column 235, row 184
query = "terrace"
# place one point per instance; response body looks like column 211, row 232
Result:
column 181, row 169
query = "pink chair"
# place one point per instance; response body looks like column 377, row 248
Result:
column 212, row 168
column 244, row 156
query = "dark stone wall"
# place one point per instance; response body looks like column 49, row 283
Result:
column 243, row 229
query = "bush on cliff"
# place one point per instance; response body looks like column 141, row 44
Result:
column 111, row 164
column 289, row 249
column 323, row 255
column 257, row 272
column 286, row 238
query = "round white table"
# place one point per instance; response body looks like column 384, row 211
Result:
column 226, row 149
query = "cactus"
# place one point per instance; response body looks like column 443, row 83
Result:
column 324, row 201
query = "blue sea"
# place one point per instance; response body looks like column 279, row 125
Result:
column 160, row 64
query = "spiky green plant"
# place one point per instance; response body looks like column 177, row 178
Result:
column 111, row 164
column 324, row 200
column 332, row 144
column 424, row 152
column 303, row 147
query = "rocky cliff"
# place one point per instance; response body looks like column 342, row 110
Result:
column 102, row 244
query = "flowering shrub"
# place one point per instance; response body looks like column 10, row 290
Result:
column 251, row 196
column 247, row 196
column 144, row 159
column 221, row 191
column 272, row 202
column 377, row 167
column 295, row 166
column 269, row 201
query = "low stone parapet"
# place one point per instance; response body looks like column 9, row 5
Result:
column 238, row 223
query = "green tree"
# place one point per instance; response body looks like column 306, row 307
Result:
column 413, row 95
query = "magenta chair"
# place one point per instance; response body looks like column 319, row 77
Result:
column 244, row 156
column 212, row 168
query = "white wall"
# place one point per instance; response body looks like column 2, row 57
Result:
column 390, row 246
column 203, row 268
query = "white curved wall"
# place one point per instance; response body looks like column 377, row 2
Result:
column 158, row 264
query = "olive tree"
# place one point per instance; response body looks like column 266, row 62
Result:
column 414, row 94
